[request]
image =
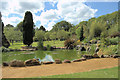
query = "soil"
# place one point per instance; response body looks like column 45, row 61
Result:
column 57, row 69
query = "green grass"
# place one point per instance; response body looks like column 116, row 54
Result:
column 18, row 45
column 102, row 73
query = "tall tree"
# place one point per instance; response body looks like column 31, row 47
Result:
column 81, row 34
column 28, row 31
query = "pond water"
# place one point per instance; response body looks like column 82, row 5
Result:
column 42, row 55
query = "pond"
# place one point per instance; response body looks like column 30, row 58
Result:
column 42, row 55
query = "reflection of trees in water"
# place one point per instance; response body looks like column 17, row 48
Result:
column 44, row 55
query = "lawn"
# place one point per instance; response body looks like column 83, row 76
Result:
column 18, row 45
column 102, row 73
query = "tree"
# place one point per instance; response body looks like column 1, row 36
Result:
column 47, row 36
column 79, row 33
column 63, row 25
column 5, row 42
column 28, row 31
column 20, row 26
column 9, row 25
column 62, row 35
column 39, row 35
column 42, row 28
column 12, row 34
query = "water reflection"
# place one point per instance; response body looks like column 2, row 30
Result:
column 48, row 58
column 43, row 55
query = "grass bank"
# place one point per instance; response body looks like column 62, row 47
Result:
column 102, row 73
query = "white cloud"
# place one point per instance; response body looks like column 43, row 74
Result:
column 50, row 25
column 75, row 12
column 19, row 7
column 12, row 20
column 49, row 15
column 70, row 10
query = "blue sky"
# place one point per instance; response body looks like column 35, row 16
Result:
column 103, row 7
column 49, row 13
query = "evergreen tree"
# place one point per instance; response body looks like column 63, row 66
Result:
column 81, row 34
column 28, row 31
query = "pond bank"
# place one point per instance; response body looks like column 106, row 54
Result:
column 55, row 69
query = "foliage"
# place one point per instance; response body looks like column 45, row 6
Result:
column 111, row 49
column 53, row 36
column 63, row 25
column 47, row 36
column 12, row 34
column 39, row 34
column 69, row 44
column 62, row 35
column 79, row 33
column 9, row 25
column 42, row 28
column 20, row 26
column 110, row 41
column 40, row 45
column 28, row 32
column 5, row 42
column 103, row 26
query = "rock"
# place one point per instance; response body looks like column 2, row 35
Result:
column 50, row 62
column 77, row 60
column 57, row 61
column 116, row 56
column 32, row 62
column 102, row 56
column 88, row 48
column 82, row 49
column 77, row 47
column 106, row 56
column 87, row 56
column 95, row 55
column 5, row 64
column 83, row 59
column 97, row 49
column 67, row 61
column 17, row 63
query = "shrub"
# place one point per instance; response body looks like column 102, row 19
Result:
column 69, row 44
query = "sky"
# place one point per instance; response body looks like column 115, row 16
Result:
column 49, row 12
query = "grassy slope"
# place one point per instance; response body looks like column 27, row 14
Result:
column 102, row 73
column 57, row 43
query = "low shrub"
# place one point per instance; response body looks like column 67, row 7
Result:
column 69, row 44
